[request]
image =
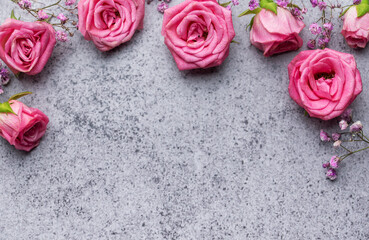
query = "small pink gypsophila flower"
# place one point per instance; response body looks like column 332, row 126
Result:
column 62, row 18
column 61, row 36
column 42, row 15
column 69, row 2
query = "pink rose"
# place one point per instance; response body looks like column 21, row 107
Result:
column 26, row 46
column 324, row 82
column 355, row 30
column 25, row 129
column 276, row 33
column 109, row 23
column 198, row 33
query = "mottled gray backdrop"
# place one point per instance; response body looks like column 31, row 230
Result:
column 136, row 149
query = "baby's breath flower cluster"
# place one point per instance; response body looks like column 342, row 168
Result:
column 162, row 5
column 351, row 132
column 295, row 10
column 62, row 15
column 4, row 77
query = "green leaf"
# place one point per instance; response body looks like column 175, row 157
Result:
column 269, row 5
column 225, row 4
column 12, row 15
column 5, row 108
column 344, row 12
column 19, row 95
column 250, row 24
column 362, row 9
column 248, row 11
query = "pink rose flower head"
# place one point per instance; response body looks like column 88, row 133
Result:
column 198, row 33
column 26, row 46
column 276, row 33
column 110, row 23
column 324, row 82
column 25, row 129
column 42, row 15
column 355, row 30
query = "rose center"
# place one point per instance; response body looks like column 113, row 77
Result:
column 25, row 47
column 324, row 75
column 197, row 32
column 110, row 17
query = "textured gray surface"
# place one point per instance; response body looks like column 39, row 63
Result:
column 136, row 149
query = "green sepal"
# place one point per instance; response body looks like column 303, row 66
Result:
column 293, row 5
column 225, row 4
column 362, row 8
column 19, row 95
column 12, row 15
column 5, row 108
column 248, row 11
column 306, row 114
column 269, row 5
column 233, row 41
column 345, row 11
column 248, row 27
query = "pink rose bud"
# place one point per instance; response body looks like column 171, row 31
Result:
column 198, row 33
column 343, row 124
column 30, row 53
column 355, row 30
column 25, row 129
column 324, row 136
column 110, row 23
column 324, row 82
column 276, row 33
column 356, row 127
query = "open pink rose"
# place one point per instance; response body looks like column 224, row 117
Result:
column 355, row 30
column 26, row 46
column 276, row 33
column 109, row 23
column 25, row 129
column 198, row 33
column 324, row 82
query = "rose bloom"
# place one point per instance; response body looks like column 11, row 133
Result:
column 25, row 129
column 355, row 30
column 198, row 33
column 324, row 82
column 275, row 34
column 109, row 23
column 26, row 46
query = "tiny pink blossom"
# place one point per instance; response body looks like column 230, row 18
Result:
column 336, row 136
column 343, row 124
column 331, row 174
column 24, row 4
column 69, row 2
column 324, row 136
column 337, row 143
column 356, row 127
column 42, row 15
column 162, row 7
column 61, row 36
column 62, row 18
column 333, row 163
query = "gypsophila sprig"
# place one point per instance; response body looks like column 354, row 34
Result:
column 354, row 135
column 162, row 5
column 4, row 77
column 62, row 14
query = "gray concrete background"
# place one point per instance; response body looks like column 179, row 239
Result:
column 136, row 149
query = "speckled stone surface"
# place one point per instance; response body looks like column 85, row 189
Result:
column 136, row 149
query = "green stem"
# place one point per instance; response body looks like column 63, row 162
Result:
column 52, row 5
column 345, row 156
